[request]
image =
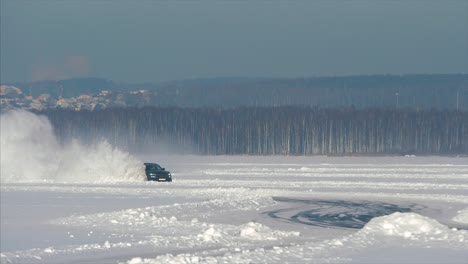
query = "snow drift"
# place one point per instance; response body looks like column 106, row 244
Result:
column 412, row 226
column 31, row 152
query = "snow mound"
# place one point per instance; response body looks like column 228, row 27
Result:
column 31, row 152
column 462, row 216
column 413, row 227
column 211, row 234
column 257, row 231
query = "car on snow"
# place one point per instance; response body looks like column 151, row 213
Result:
column 154, row 172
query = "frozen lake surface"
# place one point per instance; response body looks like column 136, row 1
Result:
column 242, row 209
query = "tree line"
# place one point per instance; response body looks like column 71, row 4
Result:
column 287, row 130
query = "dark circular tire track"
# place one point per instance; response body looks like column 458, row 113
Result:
column 336, row 213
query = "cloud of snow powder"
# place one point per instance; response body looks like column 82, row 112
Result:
column 30, row 151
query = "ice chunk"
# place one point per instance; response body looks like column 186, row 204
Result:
column 210, row 235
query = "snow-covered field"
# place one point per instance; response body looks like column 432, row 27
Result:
column 247, row 209
column 90, row 204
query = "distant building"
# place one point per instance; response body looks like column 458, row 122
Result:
column 10, row 92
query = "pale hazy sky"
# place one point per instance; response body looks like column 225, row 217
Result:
column 139, row 41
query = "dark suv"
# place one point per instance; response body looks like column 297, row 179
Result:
column 154, row 172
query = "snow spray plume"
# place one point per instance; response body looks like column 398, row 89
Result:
column 30, row 152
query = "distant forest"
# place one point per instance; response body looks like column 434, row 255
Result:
column 423, row 91
column 289, row 130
